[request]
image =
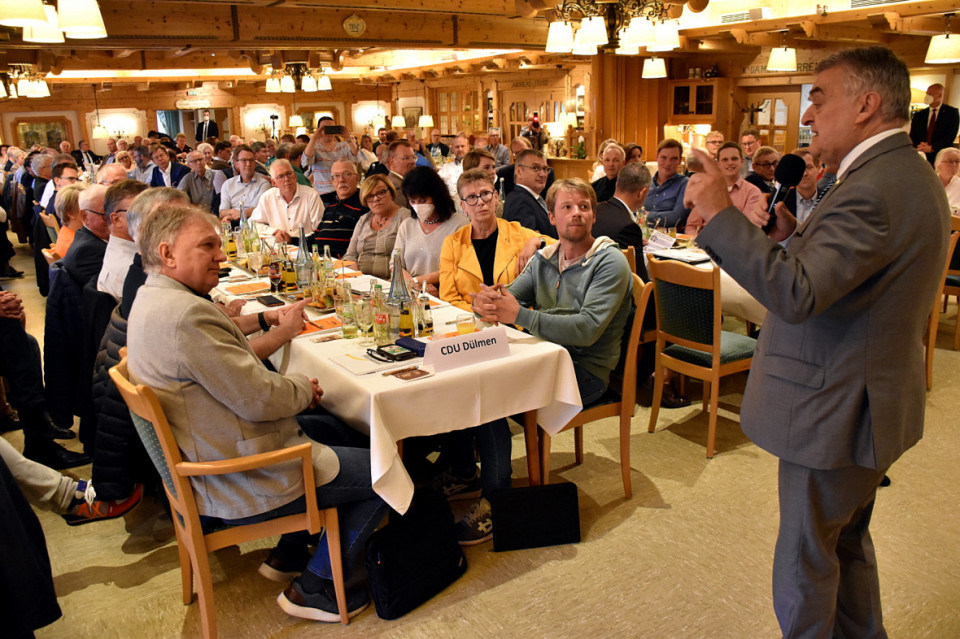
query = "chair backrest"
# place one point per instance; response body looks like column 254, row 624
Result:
column 951, row 248
column 53, row 227
column 154, row 431
column 50, row 255
column 627, row 366
column 954, row 223
column 688, row 303
column 631, row 254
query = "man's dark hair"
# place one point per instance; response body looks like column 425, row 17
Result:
column 58, row 169
column 121, row 191
column 221, row 145
column 258, row 146
column 241, row 147
column 304, row 138
column 392, row 136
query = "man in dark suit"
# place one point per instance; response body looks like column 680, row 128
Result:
column 765, row 160
column 84, row 156
column 166, row 172
column 505, row 173
column 801, row 200
column 944, row 118
column 613, row 158
column 85, row 257
column 207, row 128
column 836, row 390
column 524, row 204
column 616, row 218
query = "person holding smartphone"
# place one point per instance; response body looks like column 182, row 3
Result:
column 325, row 147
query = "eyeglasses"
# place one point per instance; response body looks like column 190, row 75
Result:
column 342, row 176
column 100, row 213
column 482, row 196
column 376, row 195
column 69, row 179
column 714, row 141
column 536, row 169
column 774, row 163
column 285, row 176
column 406, row 158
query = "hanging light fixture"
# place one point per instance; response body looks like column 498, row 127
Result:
column 583, row 48
column 308, row 84
column 49, row 32
column 3, row 89
column 287, row 85
column 426, row 120
column 594, row 31
column 560, row 38
column 398, row 122
column 626, row 47
column 273, row 83
column 654, row 68
column 641, row 32
column 81, row 19
column 944, row 49
column 99, row 131
column 22, row 13
column 323, row 83
column 782, row 58
column 667, row 37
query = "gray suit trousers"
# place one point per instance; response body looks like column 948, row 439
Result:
column 825, row 581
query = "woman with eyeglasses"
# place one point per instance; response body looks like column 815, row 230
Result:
column 490, row 250
column 67, row 206
column 434, row 217
column 946, row 165
column 376, row 231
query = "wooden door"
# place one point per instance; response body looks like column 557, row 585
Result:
column 776, row 117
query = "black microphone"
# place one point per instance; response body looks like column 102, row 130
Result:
column 788, row 174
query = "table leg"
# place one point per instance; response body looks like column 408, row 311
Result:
column 533, row 446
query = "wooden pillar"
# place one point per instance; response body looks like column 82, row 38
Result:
column 625, row 107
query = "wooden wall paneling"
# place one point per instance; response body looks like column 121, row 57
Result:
column 626, row 107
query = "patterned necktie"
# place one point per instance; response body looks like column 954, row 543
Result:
column 933, row 123
column 542, row 203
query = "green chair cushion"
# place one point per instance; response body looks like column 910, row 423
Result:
column 733, row 347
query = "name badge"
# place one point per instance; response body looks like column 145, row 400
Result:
column 463, row 350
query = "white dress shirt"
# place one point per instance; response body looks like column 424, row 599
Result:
column 116, row 263
column 450, row 173
column 305, row 209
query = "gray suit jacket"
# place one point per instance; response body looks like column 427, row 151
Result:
column 220, row 400
column 838, row 375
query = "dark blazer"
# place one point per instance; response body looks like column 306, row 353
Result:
column 506, row 172
column 444, row 149
column 212, row 131
column 85, row 258
column 837, row 378
column 759, row 182
column 615, row 221
column 944, row 129
column 177, row 172
column 605, row 188
column 78, row 156
column 522, row 207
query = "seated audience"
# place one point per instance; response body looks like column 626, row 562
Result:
column 598, row 171
column 202, row 184
column 123, row 159
column 484, row 160
column 450, row 171
column 323, row 150
column 400, row 159
column 143, row 164
column 242, row 192
column 111, row 174
column 744, row 195
column 946, row 164
column 487, row 251
column 434, row 217
column 288, row 206
column 167, row 172
column 120, row 248
column 634, row 153
column 68, row 210
column 376, row 232
column 801, row 200
column 524, row 204
column 85, row 258
column 505, row 174
column 172, row 330
column 366, row 156
column 664, row 203
column 712, row 142
column 765, row 160
column 613, row 158
column 341, row 209
column 617, row 217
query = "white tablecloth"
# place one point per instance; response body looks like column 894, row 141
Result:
column 537, row 375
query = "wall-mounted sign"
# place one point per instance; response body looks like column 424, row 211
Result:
column 354, row 26
column 189, row 104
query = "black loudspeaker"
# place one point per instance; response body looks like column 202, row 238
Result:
column 535, row 516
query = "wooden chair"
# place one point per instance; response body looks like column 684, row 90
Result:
column 935, row 312
column 951, row 285
column 194, row 543
column 612, row 404
column 50, row 255
column 688, row 317
column 53, row 227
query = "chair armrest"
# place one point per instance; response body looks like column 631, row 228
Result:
column 302, row 452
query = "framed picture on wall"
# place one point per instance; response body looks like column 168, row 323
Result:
column 411, row 116
column 48, row 131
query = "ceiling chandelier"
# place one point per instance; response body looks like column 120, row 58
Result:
column 617, row 26
column 944, row 49
column 296, row 76
column 43, row 23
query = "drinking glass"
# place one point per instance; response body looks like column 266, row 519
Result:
column 347, row 316
column 465, row 324
column 364, row 309
column 274, row 275
column 255, row 262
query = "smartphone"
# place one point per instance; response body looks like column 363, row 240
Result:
column 395, row 353
column 333, row 130
column 270, row 300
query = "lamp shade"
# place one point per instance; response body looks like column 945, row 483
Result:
column 943, row 49
column 48, row 32
column 654, row 68
column 81, row 19
column 100, row 132
column 22, row 13
column 426, row 122
column 273, row 85
column 295, row 121
column 560, row 38
column 308, row 84
column 640, row 33
column 287, row 85
column 667, row 37
column 43, row 89
column 3, row 90
column 626, row 48
column 594, row 31
column 323, row 84
column 782, row 59
column 582, row 48
column 398, row 122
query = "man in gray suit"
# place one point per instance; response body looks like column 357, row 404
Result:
column 222, row 402
column 836, row 390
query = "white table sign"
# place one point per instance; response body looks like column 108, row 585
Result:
column 463, row 350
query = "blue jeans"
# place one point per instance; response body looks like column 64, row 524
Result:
column 591, row 387
column 493, row 447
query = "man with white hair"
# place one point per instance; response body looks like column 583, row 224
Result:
column 85, row 258
column 110, row 174
column 288, row 206
column 501, row 154
column 613, row 158
column 111, row 151
column 201, row 183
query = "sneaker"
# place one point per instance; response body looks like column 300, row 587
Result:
column 476, row 526
column 86, row 508
column 457, row 488
column 321, row 606
column 284, row 563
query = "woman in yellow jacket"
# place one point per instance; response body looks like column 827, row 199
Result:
column 489, row 250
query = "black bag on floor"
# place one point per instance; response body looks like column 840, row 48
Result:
column 414, row 557
column 535, row 516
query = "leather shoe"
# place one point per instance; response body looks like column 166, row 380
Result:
column 885, row 481
column 669, row 398
column 9, row 422
column 43, row 425
column 54, row 455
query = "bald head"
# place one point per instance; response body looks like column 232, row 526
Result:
column 91, row 209
column 110, row 174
